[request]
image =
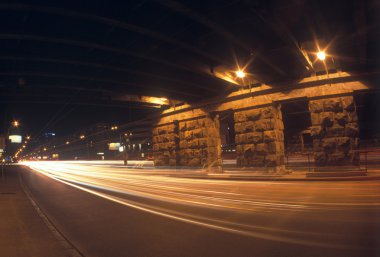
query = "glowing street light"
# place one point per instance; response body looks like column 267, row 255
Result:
column 321, row 55
column 240, row 74
column 28, row 137
column 15, row 123
column 82, row 137
column 67, row 142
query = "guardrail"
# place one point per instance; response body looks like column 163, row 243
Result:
column 369, row 159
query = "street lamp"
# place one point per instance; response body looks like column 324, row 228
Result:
column 240, row 74
column 15, row 123
column 321, row 55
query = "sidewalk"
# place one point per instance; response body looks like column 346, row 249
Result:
column 23, row 233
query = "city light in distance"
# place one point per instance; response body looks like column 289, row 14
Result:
column 114, row 128
column 15, row 123
column 82, row 137
column 67, row 142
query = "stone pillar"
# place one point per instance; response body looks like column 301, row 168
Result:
column 260, row 138
column 199, row 142
column 164, row 145
column 335, row 131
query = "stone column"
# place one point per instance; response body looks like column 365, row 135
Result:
column 199, row 142
column 335, row 132
column 164, row 145
column 260, row 138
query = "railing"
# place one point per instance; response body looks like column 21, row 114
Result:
column 369, row 160
column 297, row 160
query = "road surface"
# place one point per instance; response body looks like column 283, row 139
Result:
column 108, row 210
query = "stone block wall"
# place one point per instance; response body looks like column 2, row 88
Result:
column 335, row 131
column 198, row 142
column 187, row 139
column 260, row 138
column 165, row 145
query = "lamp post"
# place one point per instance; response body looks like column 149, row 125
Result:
column 125, row 153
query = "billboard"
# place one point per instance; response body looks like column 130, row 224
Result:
column 114, row 146
column 15, row 139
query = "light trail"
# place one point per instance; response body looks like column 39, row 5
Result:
column 164, row 193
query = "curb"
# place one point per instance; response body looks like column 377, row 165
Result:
column 69, row 249
column 280, row 178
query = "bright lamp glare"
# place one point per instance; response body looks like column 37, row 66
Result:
column 240, row 74
column 321, row 55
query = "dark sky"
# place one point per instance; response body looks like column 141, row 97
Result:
column 66, row 119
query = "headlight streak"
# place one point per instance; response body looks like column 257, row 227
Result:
column 187, row 192
column 170, row 188
column 167, row 193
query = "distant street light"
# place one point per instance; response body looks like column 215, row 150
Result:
column 67, row 142
column 82, row 137
column 15, row 123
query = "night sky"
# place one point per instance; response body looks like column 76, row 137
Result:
column 67, row 119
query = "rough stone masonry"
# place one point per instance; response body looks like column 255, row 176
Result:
column 191, row 141
column 199, row 142
column 335, row 131
column 260, row 138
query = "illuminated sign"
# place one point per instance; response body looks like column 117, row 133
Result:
column 113, row 146
column 15, row 139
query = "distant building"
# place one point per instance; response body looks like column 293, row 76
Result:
column 47, row 136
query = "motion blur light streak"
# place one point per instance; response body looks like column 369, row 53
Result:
column 188, row 200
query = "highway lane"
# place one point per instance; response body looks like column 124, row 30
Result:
column 106, row 210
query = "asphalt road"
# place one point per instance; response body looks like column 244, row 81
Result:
column 106, row 210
